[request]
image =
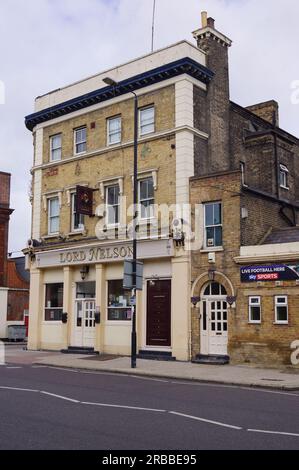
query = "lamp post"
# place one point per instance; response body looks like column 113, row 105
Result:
column 109, row 81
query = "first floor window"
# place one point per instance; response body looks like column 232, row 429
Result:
column 213, row 225
column 55, row 148
column 54, row 302
column 281, row 309
column 146, row 198
column 53, row 215
column 147, row 120
column 114, row 130
column 118, row 302
column 112, row 204
column 255, row 310
column 80, row 140
column 77, row 219
column 283, row 176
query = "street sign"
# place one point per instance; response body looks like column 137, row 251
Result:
column 128, row 283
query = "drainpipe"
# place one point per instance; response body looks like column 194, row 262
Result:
column 276, row 157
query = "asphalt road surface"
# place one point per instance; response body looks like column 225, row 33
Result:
column 45, row 408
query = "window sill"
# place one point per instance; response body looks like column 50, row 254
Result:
column 150, row 221
column 285, row 188
column 50, row 236
column 212, row 250
column 281, row 323
column 254, row 323
column 76, row 232
column 80, row 153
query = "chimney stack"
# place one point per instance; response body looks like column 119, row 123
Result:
column 204, row 19
column 216, row 45
column 211, row 22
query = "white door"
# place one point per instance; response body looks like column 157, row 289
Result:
column 214, row 326
column 85, row 324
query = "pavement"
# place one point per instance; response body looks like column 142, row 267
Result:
column 240, row 375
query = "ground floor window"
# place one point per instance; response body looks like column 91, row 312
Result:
column 281, row 309
column 118, row 302
column 255, row 310
column 54, row 302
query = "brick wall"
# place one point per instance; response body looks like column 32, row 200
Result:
column 4, row 220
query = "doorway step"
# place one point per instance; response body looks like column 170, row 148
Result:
column 156, row 355
column 80, row 350
column 211, row 360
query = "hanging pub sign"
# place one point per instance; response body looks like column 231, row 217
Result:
column 84, row 201
column 270, row 273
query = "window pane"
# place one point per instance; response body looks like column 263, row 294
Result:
column 54, row 225
column 204, row 318
column 80, row 148
column 217, row 214
column 282, row 313
column 54, row 207
column 53, row 314
column 147, row 120
column 54, row 295
column 56, row 155
column 215, row 289
column 209, row 214
column 113, row 195
column 118, row 301
column 281, row 300
column 255, row 314
column 218, row 236
column 210, row 237
column 56, row 142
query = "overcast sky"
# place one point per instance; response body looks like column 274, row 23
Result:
column 46, row 44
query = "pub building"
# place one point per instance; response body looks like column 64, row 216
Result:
column 195, row 146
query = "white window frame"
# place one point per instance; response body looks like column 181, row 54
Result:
column 81, row 227
column 107, row 187
column 141, row 180
column 281, row 304
column 140, row 111
column 119, row 132
column 81, row 141
column 52, row 150
column 50, row 217
column 283, row 173
column 251, row 304
column 215, row 247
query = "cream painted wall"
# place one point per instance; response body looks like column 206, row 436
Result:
column 181, row 313
column 184, row 115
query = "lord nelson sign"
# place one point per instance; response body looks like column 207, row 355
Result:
column 103, row 254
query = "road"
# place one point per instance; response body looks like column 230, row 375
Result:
column 44, row 408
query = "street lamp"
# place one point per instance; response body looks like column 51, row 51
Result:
column 109, row 81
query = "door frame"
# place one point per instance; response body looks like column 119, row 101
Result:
column 147, row 347
column 209, row 299
column 82, row 327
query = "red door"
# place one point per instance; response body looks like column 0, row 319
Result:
column 159, row 313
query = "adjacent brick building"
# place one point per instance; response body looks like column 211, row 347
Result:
column 14, row 280
column 252, row 183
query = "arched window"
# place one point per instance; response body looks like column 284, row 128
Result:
column 214, row 288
